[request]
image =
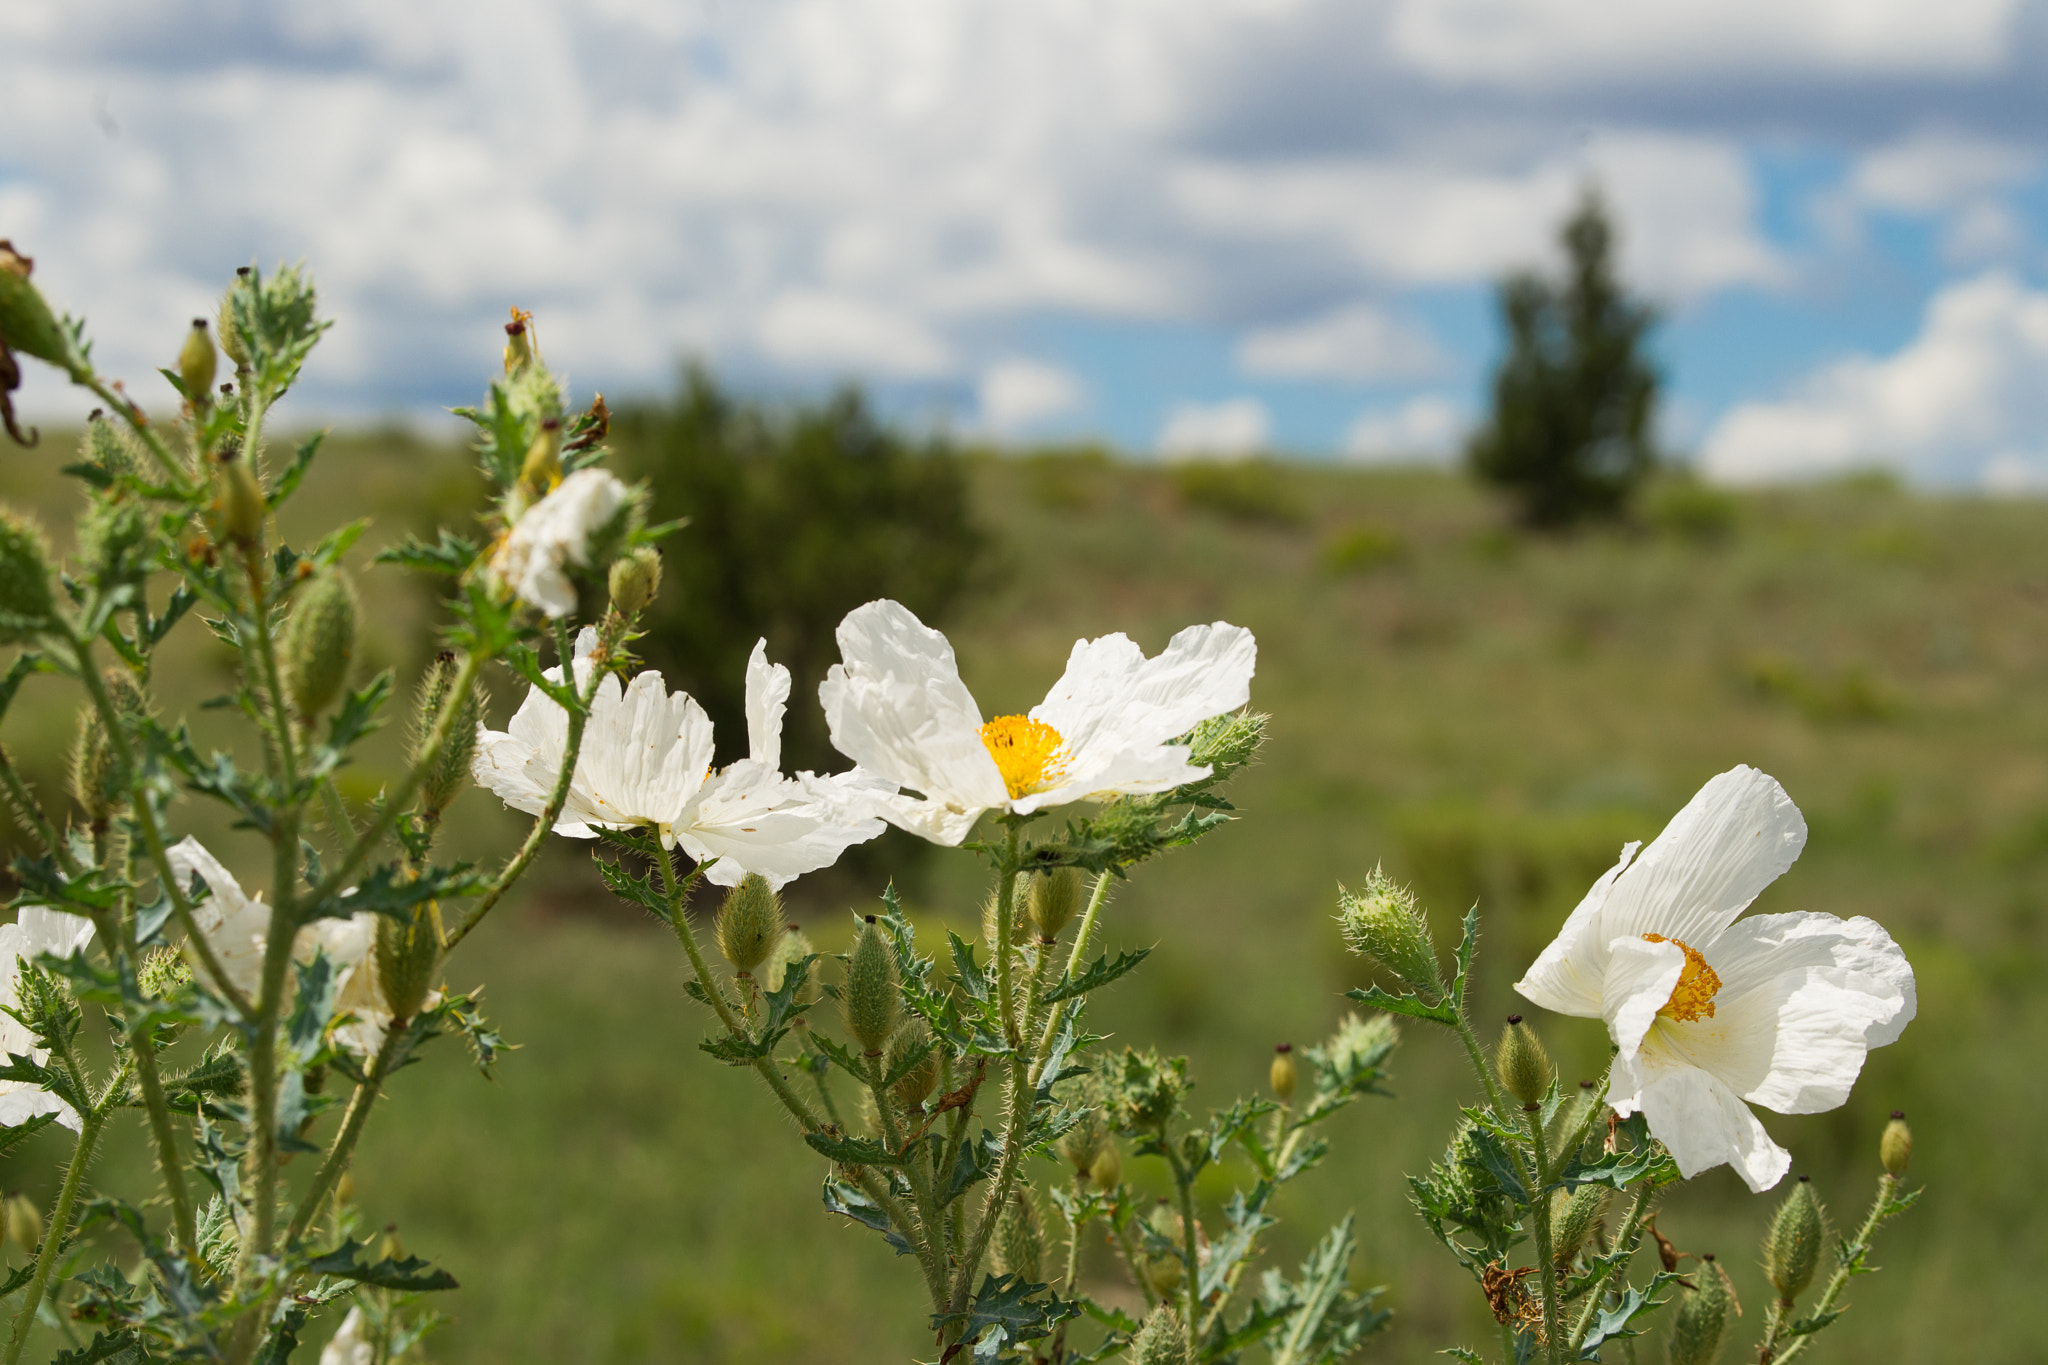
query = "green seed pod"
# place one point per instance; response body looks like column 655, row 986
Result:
column 870, row 995
column 1284, row 1073
column 1163, row 1340
column 1701, row 1324
column 238, row 502
column 196, row 362
column 634, row 581
column 1523, row 1065
column 1053, row 901
column 449, row 773
column 1384, row 925
column 749, row 923
column 1020, row 1241
column 793, row 947
column 917, row 1083
column 230, row 335
column 407, row 953
column 1107, row 1170
column 542, row 469
column 1792, row 1247
column 319, row 643
column 27, row 603
column 1895, row 1148
column 24, row 1226
column 98, row 783
column 1572, row 1219
column 26, row 322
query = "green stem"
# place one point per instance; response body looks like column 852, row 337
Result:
column 1082, row 937
column 59, row 1227
column 352, row 1123
column 1546, row 1263
column 166, row 1139
column 1631, row 1237
column 1137, row 1267
column 1846, row 1266
column 1184, row 1190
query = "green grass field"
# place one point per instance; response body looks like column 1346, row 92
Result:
column 1490, row 716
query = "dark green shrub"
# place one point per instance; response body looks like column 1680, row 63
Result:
column 1252, row 491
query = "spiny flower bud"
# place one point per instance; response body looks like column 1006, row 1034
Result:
column 917, row 1083
column 196, row 364
column 1572, row 1218
column 238, row 500
column 1107, row 1170
column 871, row 996
column 518, row 341
column 793, row 947
column 1384, row 925
column 1523, row 1065
column 107, row 444
column 1284, row 1073
column 110, row 535
column 445, row 778
column 1080, row 1145
column 97, row 782
column 1053, row 901
column 1020, row 1244
column 319, row 643
column 24, row 1225
column 164, row 973
column 543, row 467
column 1163, row 1270
column 407, row 953
column 26, row 322
column 1163, row 1340
column 1148, row 1089
column 1895, row 1148
column 231, row 335
column 27, row 603
column 1701, row 1323
column 1792, row 1247
column 749, row 923
column 635, row 579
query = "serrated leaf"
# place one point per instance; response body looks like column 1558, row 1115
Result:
column 412, row 1273
column 1410, row 1004
column 851, row 1201
column 1098, row 974
column 294, row 473
column 853, row 1151
column 1619, row 1170
column 451, row 554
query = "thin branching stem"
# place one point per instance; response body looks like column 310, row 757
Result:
column 1630, row 1238
column 344, row 1144
column 54, row 1234
column 1097, row 897
column 1546, row 1261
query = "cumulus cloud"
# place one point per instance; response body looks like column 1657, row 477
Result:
column 1232, row 429
column 1427, row 429
column 1357, row 342
column 1961, row 404
column 1014, row 395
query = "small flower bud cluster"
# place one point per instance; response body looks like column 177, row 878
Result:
column 1148, row 1090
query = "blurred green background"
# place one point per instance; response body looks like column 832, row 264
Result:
column 1490, row 714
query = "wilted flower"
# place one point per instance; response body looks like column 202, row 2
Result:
column 646, row 760
column 897, row 707
column 35, row 931
column 1708, row 1011
column 555, row 533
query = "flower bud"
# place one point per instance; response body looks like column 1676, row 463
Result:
column 238, row 502
column 230, row 335
column 1384, row 925
column 518, row 341
column 1148, row 1088
column 26, row 322
column 1080, row 1145
column 1895, row 1148
column 543, row 467
column 1572, row 1219
column 1163, row 1270
column 27, row 603
column 113, row 536
column 1701, row 1323
column 990, row 913
column 1053, row 901
column 1020, row 1243
column 319, row 643
column 98, row 783
column 23, row 1222
column 107, row 445
column 793, row 947
column 917, row 1083
column 1283, row 1072
column 164, row 973
column 1107, row 1170
column 1792, row 1247
column 635, row 579
column 1163, row 1340
column 196, row 364
column 871, row 996
column 445, row 778
column 749, row 923
column 1523, row 1065
column 407, row 953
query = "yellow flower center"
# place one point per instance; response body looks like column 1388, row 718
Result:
column 1029, row 754
column 1693, row 997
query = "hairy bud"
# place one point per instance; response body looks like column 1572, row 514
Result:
column 319, row 643
column 23, row 1223
column 1895, row 1148
column 230, row 335
column 164, row 973
column 1163, row 1270
column 1523, row 1065
column 27, row 602
column 26, row 322
column 1573, row 1217
column 113, row 537
column 1163, row 1340
column 98, row 783
column 793, row 947
column 238, row 500
column 407, row 952
column 1284, row 1073
column 916, row 1084
column 1080, row 1145
column 1020, row 1242
column 871, row 996
column 196, row 363
column 990, row 914
column 1384, row 925
column 749, row 923
column 1148, row 1089
column 634, row 581
column 1792, row 1247
column 445, row 779
column 543, row 467
column 518, row 341
column 1701, row 1323
column 1053, row 901
column 1107, row 1170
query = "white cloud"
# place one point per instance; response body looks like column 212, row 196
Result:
column 827, row 331
column 1427, row 429
column 1232, row 429
column 1937, row 169
column 1017, row 394
column 1962, row 403
column 1357, row 342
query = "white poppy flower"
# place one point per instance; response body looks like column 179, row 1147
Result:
column 646, row 760
column 1709, row 1010
column 554, row 533
column 348, row 1346
column 897, row 707
column 34, row 932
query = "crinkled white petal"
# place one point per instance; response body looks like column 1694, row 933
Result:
column 348, row 1346
column 1112, row 699
column 554, row 534
column 776, row 828
column 1567, row 976
column 235, row 923
column 767, row 700
column 37, row 930
column 1703, row 1122
column 1640, row 978
column 896, row 706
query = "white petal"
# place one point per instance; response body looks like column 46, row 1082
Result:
column 767, row 700
column 1113, row 699
column 52, row 931
column 1159, row 768
column 20, row 1102
column 234, row 924
column 555, row 532
column 1733, row 839
column 1705, row 1124
column 1568, row 975
column 1640, row 978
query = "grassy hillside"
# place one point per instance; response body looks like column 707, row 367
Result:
column 1491, row 717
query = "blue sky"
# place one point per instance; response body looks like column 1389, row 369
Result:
column 1190, row 227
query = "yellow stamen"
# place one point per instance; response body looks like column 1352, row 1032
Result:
column 1693, row 997
column 1029, row 754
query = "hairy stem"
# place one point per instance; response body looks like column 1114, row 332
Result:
column 1631, row 1237
column 54, row 1234
column 1083, row 936
column 180, row 477
column 164, row 1135
column 1546, row 1263
column 352, row 1122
